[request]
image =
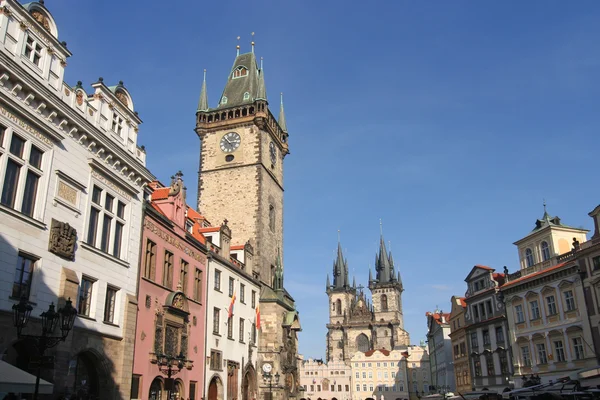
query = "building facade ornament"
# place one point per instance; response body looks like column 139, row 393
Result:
column 62, row 239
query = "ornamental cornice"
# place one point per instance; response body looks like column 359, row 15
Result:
column 555, row 275
column 174, row 241
column 59, row 118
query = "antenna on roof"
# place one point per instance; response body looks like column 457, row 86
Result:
column 238, row 46
column 544, row 205
column 252, row 42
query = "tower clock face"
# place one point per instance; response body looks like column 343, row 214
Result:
column 273, row 152
column 230, row 142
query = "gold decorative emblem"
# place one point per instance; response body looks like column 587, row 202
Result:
column 178, row 301
column 42, row 19
column 62, row 239
column 122, row 98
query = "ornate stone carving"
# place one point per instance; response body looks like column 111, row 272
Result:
column 62, row 239
column 178, row 301
column 42, row 19
column 122, row 98
column 79, row 97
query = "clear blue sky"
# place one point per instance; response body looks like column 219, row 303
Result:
column 451, row 121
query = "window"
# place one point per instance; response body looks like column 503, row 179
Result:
column 230, row 328
column 371, row 388
column 357, row 375
column 370, row 374
column 109, row 304
column 242, row 293
column 519, row 313
column 23, row 171
column 217, row 280
column 488, row 308
column 486, row 336
column 224, row 100
column 503, row 363
column 545, row 251
column 477, row 366
column 474, row 343
column 499, row 334
column 475, row 311
column 216, row 360
column 385, row 374
column 198, row 285
column 347, row 388
column 33, row 51
column 535, row 309
column 312, row 388
column 526, row 356
column 231, row 285
column 253, row 333
column 578, row 348
column 358, row 388
column 541, row 350
column 23, row 276
column 240, row 72
column 117, row 124
column 150, row 260
column 529, row 257
column 384, row 302
column 135, row 387
column 595, row 260
column 272, row 217
column 192, row 395
column 85, row 296
column 569, row 300
column 2, row 132
column 559, row 350
column 489, row 363
column 216, row 313
column 318, row 388
column 110, row 213
column 184, row 276
column 364, row 374
column 253, row 299
column 246, row 96
column 241, row 330
column 338, row 307
column 168, row 270
column 364, row 388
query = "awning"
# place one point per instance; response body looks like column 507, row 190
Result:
column 15, row 380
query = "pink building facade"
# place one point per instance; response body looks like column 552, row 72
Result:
column 171, row 299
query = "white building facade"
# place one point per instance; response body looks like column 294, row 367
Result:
column 71, row 187
column 232, row 340
column 331, row 381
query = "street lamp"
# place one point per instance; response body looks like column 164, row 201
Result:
column 170, row 366
column 271, row 379
column 50, row 319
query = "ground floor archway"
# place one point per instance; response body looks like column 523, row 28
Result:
column 249, row 384
column 215, row 389
column 156, row 389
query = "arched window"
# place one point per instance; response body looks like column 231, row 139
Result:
column 224, row 100
column 529, row 257
column 246, row 96
column 545, row 251
column 338, row 306
column 362, row 343
column 384, row 304
column 240, row 72
column 156, row 390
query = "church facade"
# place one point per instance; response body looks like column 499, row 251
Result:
column 242, row 150
column 357, row 324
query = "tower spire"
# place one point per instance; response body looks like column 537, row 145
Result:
column 252, row 42
column 238, row 47
column 340, row 270
column 281, row 120
column 203, row 103
column 261, row 94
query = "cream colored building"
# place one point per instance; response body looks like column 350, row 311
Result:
column 458, row 337
column 418, row 371
column 546, row 310
column 326, row 381
column 380, row 375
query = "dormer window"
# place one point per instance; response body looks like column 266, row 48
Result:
column 240, row 72
column 224, row 100
column 529, row 257
column 117, row 124
column 33, row 51
column 545, row 251
column 246, row 96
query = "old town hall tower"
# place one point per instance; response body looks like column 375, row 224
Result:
column 242, row 148
column 357, row 324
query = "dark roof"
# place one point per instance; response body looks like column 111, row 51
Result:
column 340, row 270
column 250, row 82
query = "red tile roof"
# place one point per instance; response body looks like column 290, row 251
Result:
column 437, row 317
column 193, row 214
column 160, row 194
column 237, row 247
column 210, row 229
column 383, row 351
column 526, row 277
column 463, row 303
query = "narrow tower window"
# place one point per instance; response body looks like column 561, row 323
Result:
column 529, row 257
column 240, row 72
column 545, row 251
column 272, row 217
column 338, row 306
column 384, row 302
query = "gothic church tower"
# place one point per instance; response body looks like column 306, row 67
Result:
column 242, row 148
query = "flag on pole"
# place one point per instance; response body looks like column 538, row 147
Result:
column 230, row 313
column 257, row 317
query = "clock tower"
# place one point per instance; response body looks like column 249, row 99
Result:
column 241, row 163
column 242, row 149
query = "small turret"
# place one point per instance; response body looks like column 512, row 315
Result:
column 281, row 120
column 203, row 103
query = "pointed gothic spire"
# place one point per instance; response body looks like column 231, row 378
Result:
column 278, row 281
column 261, row 93
column 354, row 282
column 281, row 120
column 383, row 268
column 370, row 275
column 328, row 284
column 340, row 270
column 203, row 103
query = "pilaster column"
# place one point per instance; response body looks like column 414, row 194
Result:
column 559, row 303
column 567, row 345
column 549, row 349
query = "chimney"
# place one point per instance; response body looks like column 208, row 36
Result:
column 225, row 244
column 249, row 257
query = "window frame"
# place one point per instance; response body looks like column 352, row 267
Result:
column 216, row 320
column 167, row 279
column 535, row 311
column 102, row 215
column 559, row 350
column 35, row 48
column 570, row 304
column 542, row 353
column 551, row 305
column 88, row 301
column 197, row 285
column 184, row 267
column 529, row 260
column 578, row 349
column 217, row 280
column 519, row 314
column 110, row 310
column 545, row 250
column 34, row 260
column 149, row 271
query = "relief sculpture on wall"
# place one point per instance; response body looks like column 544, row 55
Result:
column 62, row 239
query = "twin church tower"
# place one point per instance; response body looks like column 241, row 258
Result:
column 357, row 324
